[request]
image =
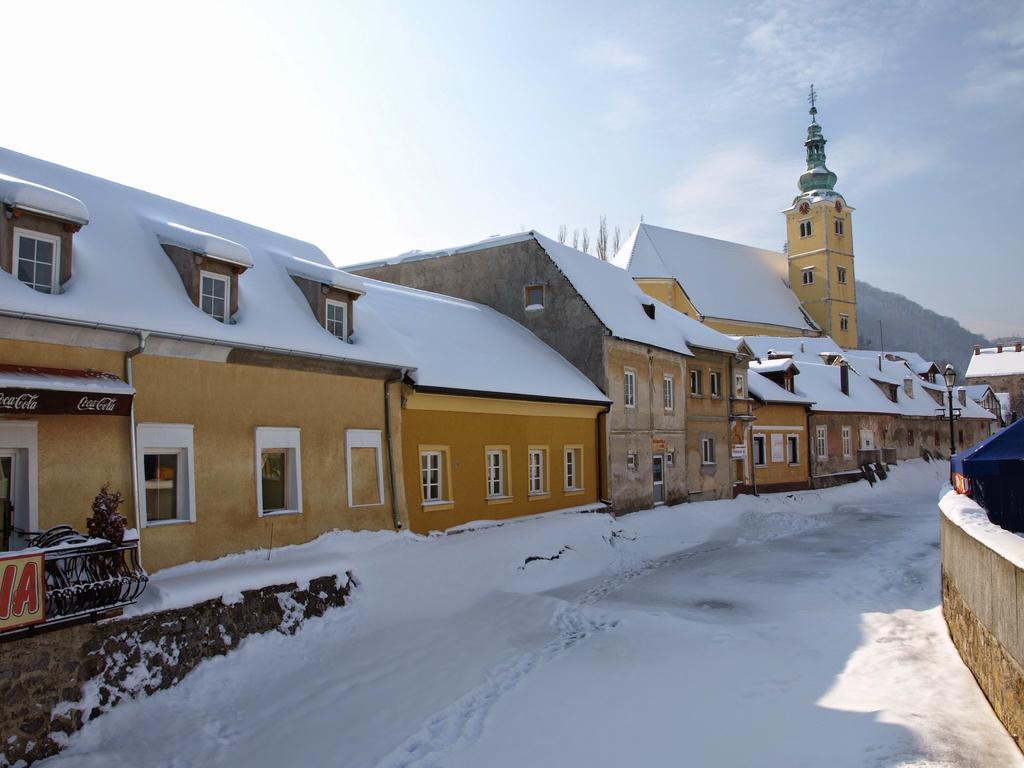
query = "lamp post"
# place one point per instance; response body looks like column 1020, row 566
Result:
column 949, row 375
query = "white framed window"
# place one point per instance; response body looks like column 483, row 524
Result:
column 821, row 440
column 847, row 435
column 537, row 465
column 497, row 473
column 573, row 467
column 670, row 458
column 215, row 295
column 839, row 227
column 739, row 385
column 278, row 471
column 166, row 467
column 629, row 387
column 844, row 322
column 715, row 383
column 760, row 452
column 37, row 260
column 707, row 450
column 364, row 469
column 336, row 319
column 696, row 382
column 841, row 275
column 533, row 297
column 793, row 449
column 805, row 228
column 631, row 461
column 807, row 275
column 669, row 392
column 432, row 471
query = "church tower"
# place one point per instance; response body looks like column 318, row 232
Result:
column 819, row 237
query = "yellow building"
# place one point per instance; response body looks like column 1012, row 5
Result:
column 778, row 447
column 243, row 393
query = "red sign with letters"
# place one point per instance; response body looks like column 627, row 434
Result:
column 22, row 590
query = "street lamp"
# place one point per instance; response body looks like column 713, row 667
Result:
column 949, row 374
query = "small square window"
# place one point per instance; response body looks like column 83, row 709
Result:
column 336, row 319
column 807, row 276
column 215, row 295
column 37, row 260
column 533, row 297
column 631, row 462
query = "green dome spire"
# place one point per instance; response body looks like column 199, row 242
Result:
column 817, row 176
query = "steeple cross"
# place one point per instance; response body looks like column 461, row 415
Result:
column 813, row 99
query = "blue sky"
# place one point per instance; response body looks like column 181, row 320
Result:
column 376, row 128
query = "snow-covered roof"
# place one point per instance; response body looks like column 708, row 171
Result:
column 722, row 279
column 777, row 365
column 917, row 364
column 608, row 290
column 802, row 348
column 321, row 273
column 36, row 197
column 123, row 279
column 767, row 391
column 977, row 392
column 991, row 362
column 172, row 233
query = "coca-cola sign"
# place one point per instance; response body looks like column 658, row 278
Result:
column 46, row 401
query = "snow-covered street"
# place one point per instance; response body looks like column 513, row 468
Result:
column 792, row 630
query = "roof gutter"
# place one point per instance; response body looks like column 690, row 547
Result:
column 428, row 390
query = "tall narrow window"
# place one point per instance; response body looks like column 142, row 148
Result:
column 336, row 319
column 278, row 471
column 538, row 471
column 431, row 475
column 707, row 450
column 166, row 467
column 841, row 275
column 821, row 435
column 497, row 483
column 739, row 385
column 573, row 467
column 807, row 276
column 805, row 228
column 760, row 454
column 847, row 442
column 715, row 379
column 844, row 322
column 669, row 390
column 37, row 260
column 696, row 382
column 629, row 387
column 839, row 227
column 364, row 468
column 214, row 295
column 793, row 449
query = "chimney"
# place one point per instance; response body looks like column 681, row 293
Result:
column 977, row 349
column 844, row 378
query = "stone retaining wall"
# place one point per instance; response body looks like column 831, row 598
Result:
column 981, row 591
column 54, row 682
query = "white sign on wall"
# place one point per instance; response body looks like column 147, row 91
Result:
column 778, row 447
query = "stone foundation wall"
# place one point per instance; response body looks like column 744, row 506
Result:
column 980, row 602
column 54, row 682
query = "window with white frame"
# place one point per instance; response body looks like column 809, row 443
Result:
column 432, row 477
column 841, row 275
column 793, row 449
column 847, row 435
column 364, row 469
column 670, row 458
column 707, row 450
column 166, row 467
column 844, row 322
column 696, row 381
column 631, row 461
column 336, row 318
column 497, row 473
column 739, row 385
column 805, row 228
column 715, row 383
column 278, row 471
column 839, row 227
column 821, row 440
column 573, row 467
column 537, row 466
column 629, row 387
column 669, row 392
column 807, row 275
column 760, row 452
column 37, row 260
column 215, row 295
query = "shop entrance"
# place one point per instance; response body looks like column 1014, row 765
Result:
column 7, row 469
column 659, row 478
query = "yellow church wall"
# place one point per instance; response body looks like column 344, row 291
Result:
column 462, row 429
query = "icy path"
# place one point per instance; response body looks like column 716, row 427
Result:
column 782, row 631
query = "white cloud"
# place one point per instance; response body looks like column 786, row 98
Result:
column 1000, row 77
column 870, row 161
column 612, row 54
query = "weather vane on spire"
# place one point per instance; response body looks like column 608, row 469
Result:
column 813, row 98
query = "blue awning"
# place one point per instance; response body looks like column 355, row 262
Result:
column 1000, row 454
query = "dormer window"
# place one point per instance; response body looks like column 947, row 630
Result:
column 336, row 318
column 37, row 260
column 209, row 267
column 215, row 295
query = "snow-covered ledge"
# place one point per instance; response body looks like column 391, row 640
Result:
column 982, row 598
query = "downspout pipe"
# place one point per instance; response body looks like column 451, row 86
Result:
column 603, row 483
column 396, row 517
column 130, row 378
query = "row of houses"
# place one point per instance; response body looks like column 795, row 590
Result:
column 244, row 392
